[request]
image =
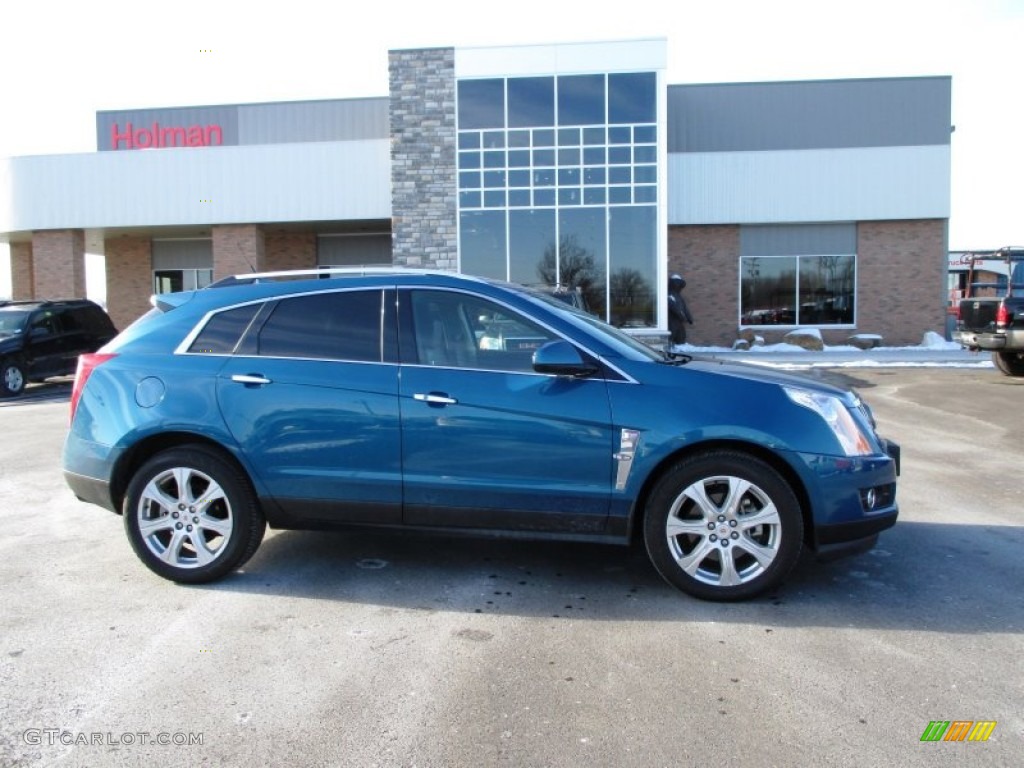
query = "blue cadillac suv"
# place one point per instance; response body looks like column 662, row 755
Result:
column 436, row 401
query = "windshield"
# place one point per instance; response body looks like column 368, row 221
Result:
column 13, row 321
column 617, row 339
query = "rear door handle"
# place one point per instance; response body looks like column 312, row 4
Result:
column 434, row 398
column 250, row 379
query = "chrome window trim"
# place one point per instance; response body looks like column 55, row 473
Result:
column 182, row 348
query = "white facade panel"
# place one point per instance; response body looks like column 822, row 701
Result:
column 313, row 181
column 856, row 184
column 521, row 60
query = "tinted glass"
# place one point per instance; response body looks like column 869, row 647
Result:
column 633, row 260
column 221, row 334
column 328, row 326
column 581, row 100
column 531, row 101
column 481, row 104
column 531, row 244
column 632, row 98
column 482, row 243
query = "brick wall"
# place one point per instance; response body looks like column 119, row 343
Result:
column 58, row 257
column 423, row 173
column 129, row 269
column 901, row 274
column 708, row 259
column 238, row 249
column 22, row 281
column 901, row 279
column 289, row 250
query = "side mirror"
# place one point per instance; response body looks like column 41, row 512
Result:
column 562, row 359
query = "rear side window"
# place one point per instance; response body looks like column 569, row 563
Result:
column 95, row 320
column 221, row 334
column 344, row 325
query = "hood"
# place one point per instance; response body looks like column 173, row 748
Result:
column 752, row 372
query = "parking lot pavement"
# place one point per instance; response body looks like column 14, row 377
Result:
column 367, row 649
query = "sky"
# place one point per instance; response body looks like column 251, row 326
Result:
column 62, row 61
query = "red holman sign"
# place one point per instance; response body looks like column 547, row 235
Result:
column 170, row 128
column 128, row 136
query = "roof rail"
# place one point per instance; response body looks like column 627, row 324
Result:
column 365, row 271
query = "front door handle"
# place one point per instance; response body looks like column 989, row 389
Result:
column 434, row 398
column 250, row 379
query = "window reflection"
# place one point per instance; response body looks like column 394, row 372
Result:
column 797, row 290
column 481, row 104
column 566, row 198
column 581, row 100
column 531, row 101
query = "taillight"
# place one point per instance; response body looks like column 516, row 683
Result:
column 87, row 363
column 1002, row 315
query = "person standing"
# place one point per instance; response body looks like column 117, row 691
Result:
column 678, row 313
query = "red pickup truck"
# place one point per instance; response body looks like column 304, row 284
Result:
column 990, row 316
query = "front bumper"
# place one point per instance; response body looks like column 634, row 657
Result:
column 853, row 500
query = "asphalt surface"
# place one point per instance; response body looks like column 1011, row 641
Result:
column 374, row 650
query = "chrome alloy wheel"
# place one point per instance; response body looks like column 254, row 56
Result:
column 184, row 517
column 723, row 531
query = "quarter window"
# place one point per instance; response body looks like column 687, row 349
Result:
column 221, row 334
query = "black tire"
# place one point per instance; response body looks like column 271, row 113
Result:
column 180, row 534
column 12, row 377
column 1010, row 363
column 760, row 547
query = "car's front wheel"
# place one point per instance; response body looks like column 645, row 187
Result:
column 12, row 377
column 723, row 525
column 1010, row 363
column 191, row 515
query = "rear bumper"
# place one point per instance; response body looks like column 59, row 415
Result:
column 90, row 490
column 991, row 341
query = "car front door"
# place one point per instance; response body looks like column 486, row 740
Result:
column 311, row 396
column 486, row 441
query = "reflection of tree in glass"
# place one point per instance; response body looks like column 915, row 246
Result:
column 632, row 299
column 576, row 269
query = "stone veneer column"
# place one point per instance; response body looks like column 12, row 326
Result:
column 238, row 249
column 58, row 264
column 129, row 278
column 424, row 229
column 22, row 282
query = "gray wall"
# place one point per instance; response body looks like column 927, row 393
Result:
column 809, row 115
column 279, row 123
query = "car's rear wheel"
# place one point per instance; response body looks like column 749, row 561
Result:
column 1010, row 363
column 191, row 515
column 723, row 525
column 12, row 377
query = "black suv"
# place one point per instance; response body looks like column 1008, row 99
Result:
column 40, row 339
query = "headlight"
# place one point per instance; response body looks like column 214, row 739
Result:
column 839, row 420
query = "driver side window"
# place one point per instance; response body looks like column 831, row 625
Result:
column 457, row 330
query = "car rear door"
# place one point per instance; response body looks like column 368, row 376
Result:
column 311, row 396
column 486, row 441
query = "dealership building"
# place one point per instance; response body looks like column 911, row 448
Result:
column 812, row 204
